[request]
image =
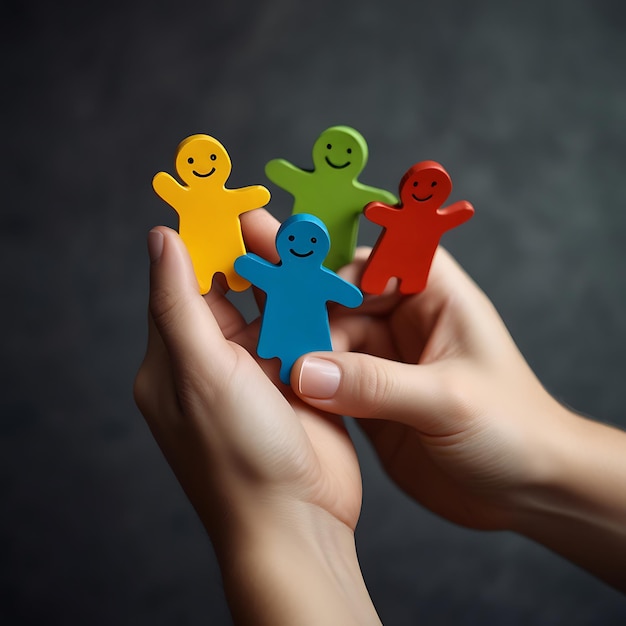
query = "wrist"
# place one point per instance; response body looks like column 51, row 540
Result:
column 293, row 562
column 576, row 505
column 578, row 472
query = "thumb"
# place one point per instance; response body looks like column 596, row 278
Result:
column 364, row 386
column 180, row 314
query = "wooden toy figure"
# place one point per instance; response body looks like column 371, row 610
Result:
column 295, row 318
column 412, row 230
column 331, row 190
column 208, row 212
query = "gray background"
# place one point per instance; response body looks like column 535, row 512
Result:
column 525, row 105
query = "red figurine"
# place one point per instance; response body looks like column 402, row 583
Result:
column 412, row 229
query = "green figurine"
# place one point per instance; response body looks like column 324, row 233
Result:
column 331, row 190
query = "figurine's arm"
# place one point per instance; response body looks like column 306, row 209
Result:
column 255, row 269
column 341, row 291
column 284, row 174
column 380, row 213
column 170, row 190
column 456, row 214
column 250, row 198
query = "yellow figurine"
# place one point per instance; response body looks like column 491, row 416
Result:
column 208, row 212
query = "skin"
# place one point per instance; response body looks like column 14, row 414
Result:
column 455, row 414
column 461, row 423
column 280, row 506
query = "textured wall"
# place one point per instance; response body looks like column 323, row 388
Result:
column 523, row 102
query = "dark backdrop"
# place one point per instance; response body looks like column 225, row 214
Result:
column 523, row 102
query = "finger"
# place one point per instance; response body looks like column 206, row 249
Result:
column 226, row 314
column 413, row 318
column 363, row 386
column 355, row 331
column 447, row 280
column 446, row 276
column 156, row 351
column 453, row 300
column 372, row 303
column 353, row 271
column 154, row 378
column 181, row 315
column 259, row 230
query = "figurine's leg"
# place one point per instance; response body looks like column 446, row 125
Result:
column 289, row 354
column 236, row 282
column 374, row 280
column 413, row 284
column 416, row 272
column 285, row 369
column 205, row 280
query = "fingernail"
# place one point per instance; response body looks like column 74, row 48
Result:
column 155, row 245
column 319, row 378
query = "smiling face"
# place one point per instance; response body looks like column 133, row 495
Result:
column 303, row 238
column 341, row 150
column 202, row 160
column 426, row 184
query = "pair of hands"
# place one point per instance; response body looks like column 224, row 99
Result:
column 436, row 382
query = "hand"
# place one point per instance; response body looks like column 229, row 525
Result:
column 463, row 426
column 457, row 417
column 223, row 420
column 275, row 481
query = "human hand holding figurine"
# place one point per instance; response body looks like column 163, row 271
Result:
column 462, row 424
column 275, row 482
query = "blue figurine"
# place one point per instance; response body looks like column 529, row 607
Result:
column 295, row 319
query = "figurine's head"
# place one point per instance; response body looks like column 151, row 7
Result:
column 425, row 184
column 303, row 238
column 202, row 160
column 340, row 150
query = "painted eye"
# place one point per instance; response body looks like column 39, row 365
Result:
column 329, row 146
column 213, row 157
column 433, row 184
column 291, row 237
column 415, row 184
column 349, row 150
column 313, row 240
column 190, row 160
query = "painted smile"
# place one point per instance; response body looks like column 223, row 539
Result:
column 421, row 199
column 203, row 175
column 337, row 167
column 301, row 256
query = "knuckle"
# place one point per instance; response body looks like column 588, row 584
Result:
column 376, row 389
column 143, row 389
column 458, row 395
column 166, row 307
